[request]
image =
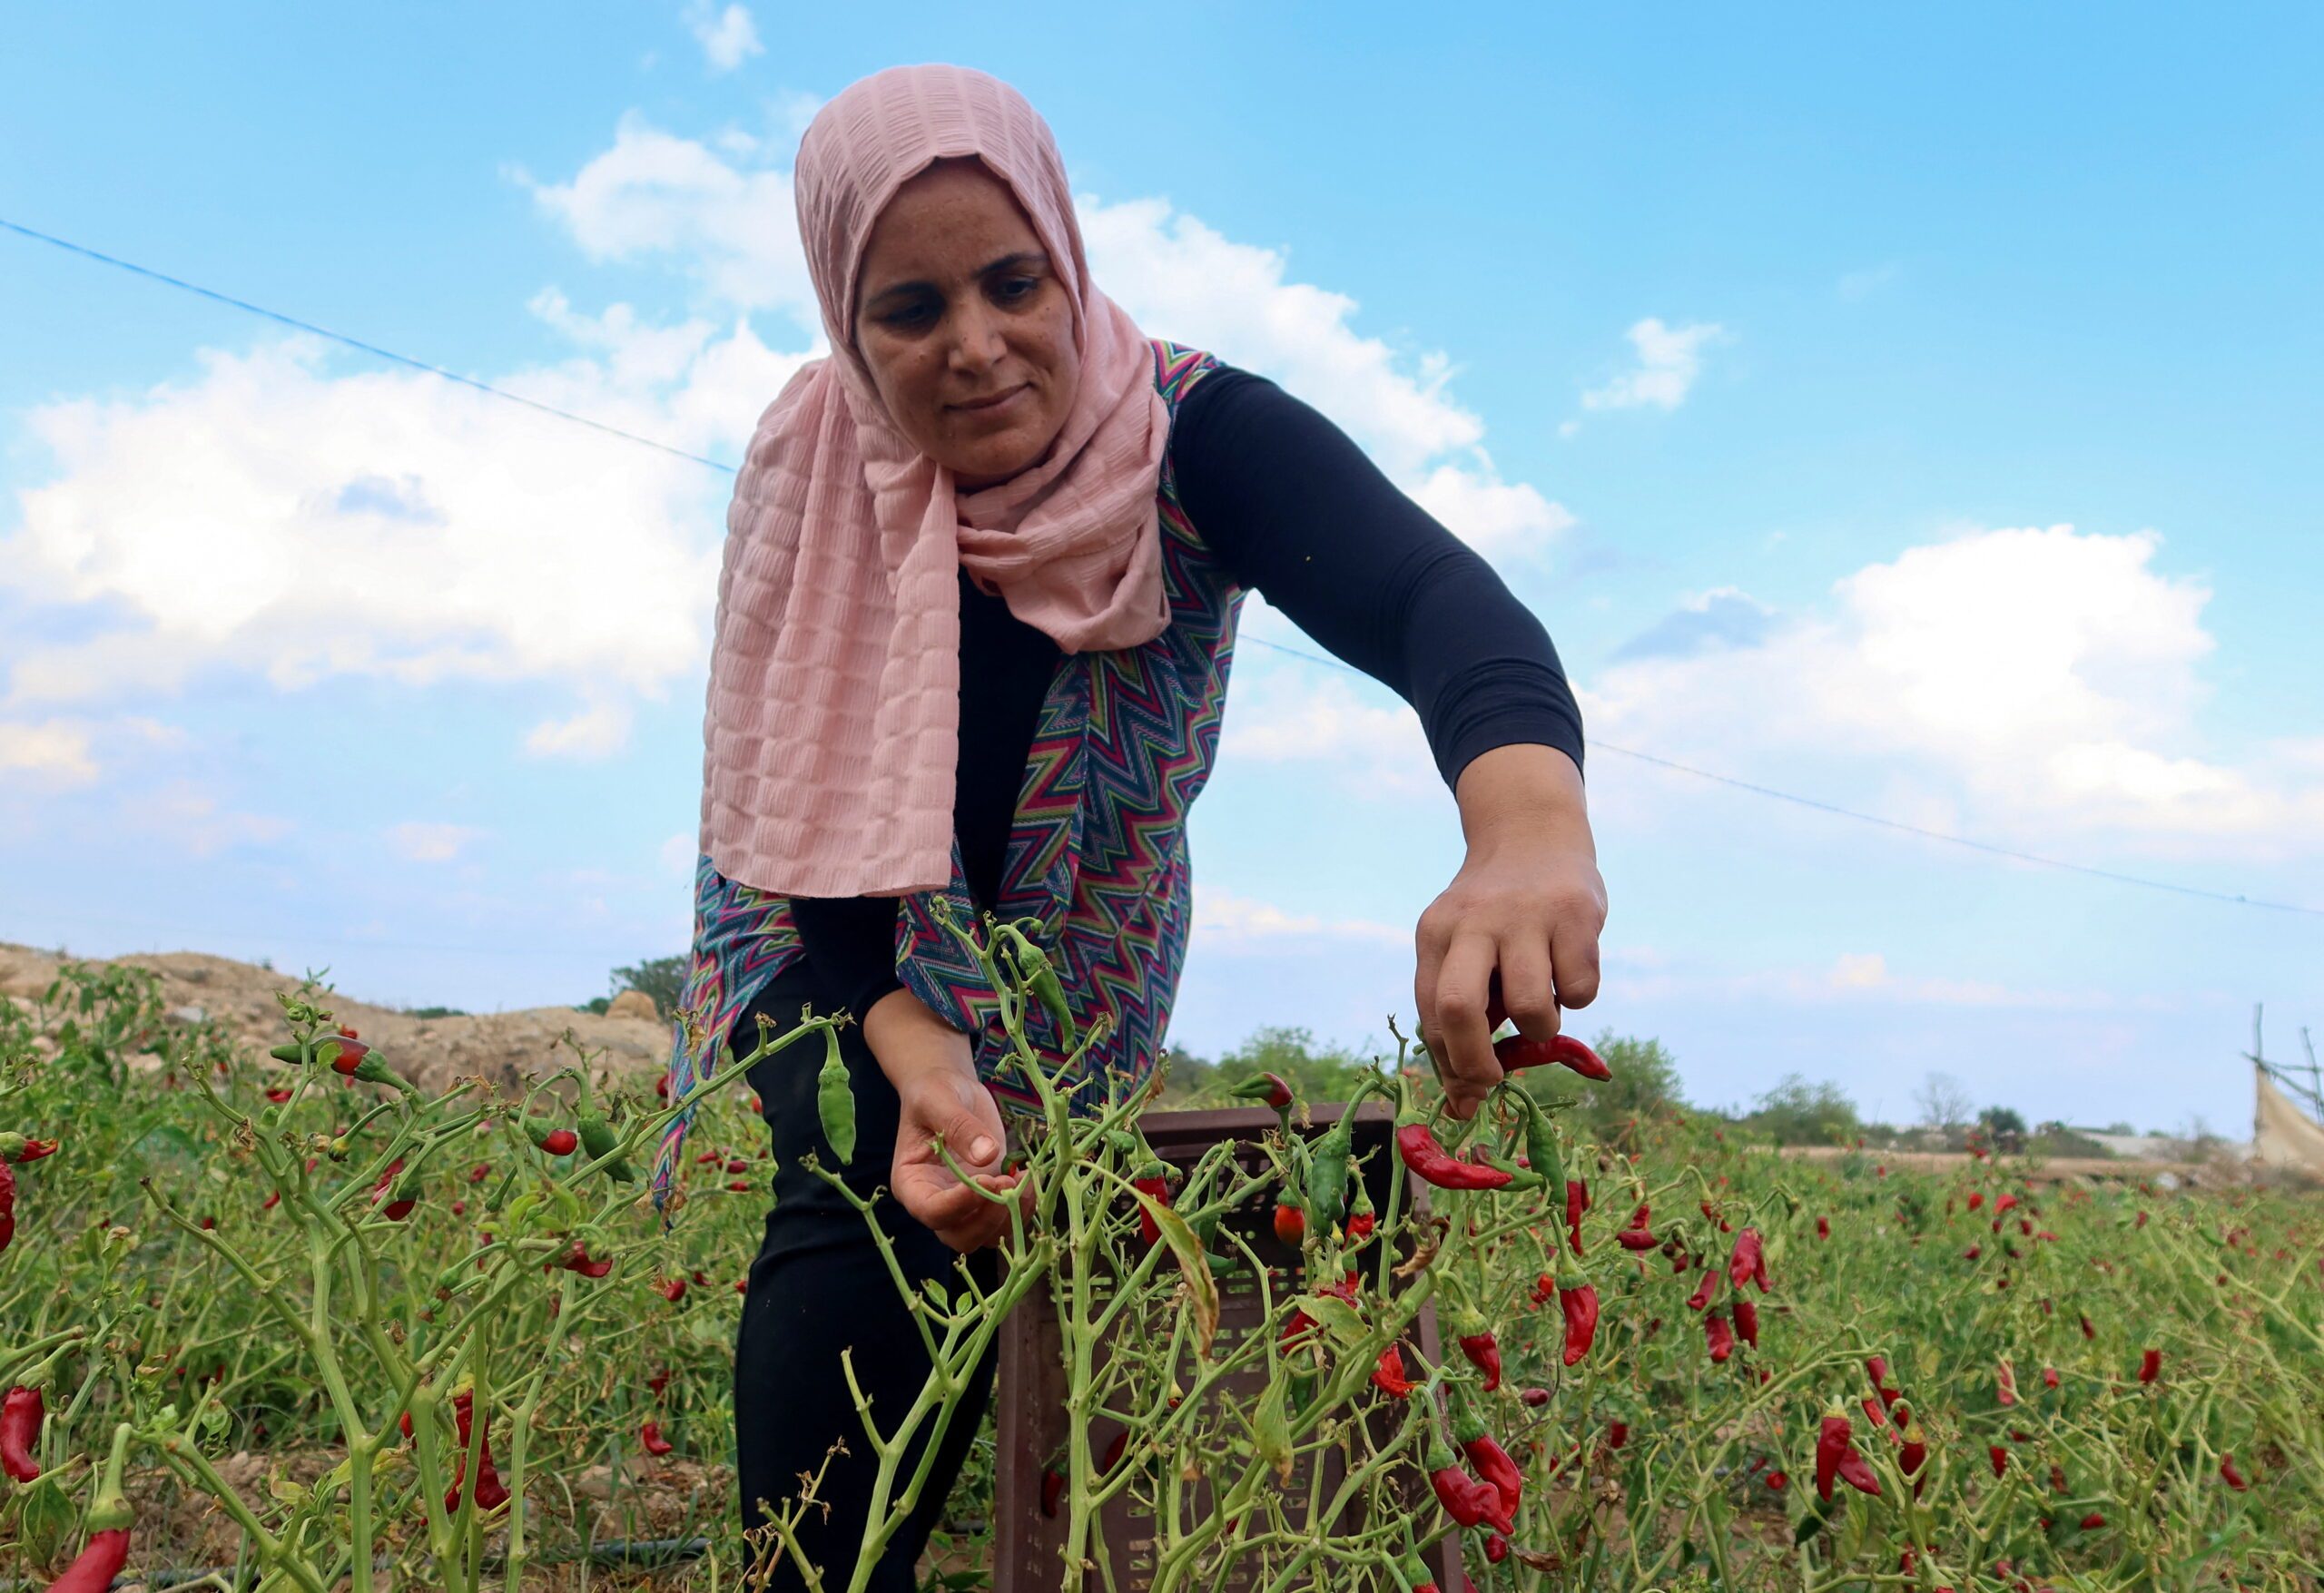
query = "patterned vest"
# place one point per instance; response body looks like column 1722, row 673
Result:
column 1097, row 851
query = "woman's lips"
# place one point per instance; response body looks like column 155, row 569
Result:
column 989, row 405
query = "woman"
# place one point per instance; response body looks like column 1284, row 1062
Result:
column 975, row 621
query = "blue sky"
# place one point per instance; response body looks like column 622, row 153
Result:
column 1915, row 412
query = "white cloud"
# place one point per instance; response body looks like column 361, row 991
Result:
column 1220, row 915
column 727, row 37
column 1669, row 359
column 736, row 229
column 273, row 518
column 1863, row 978
column 1287, row 716
column 52, row 751
column 596, row 732
column 270, row 516
column 182, row 812
column 419, row 843
column 2040, row 682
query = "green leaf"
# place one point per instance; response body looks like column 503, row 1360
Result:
column 45, row 1519
column 1272, row 1426
column 1336, row 1317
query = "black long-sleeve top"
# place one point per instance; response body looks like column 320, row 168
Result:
column 1290, row 504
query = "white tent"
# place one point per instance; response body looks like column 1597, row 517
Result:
column 2282, row 1136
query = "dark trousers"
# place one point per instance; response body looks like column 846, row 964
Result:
column 818, row 1288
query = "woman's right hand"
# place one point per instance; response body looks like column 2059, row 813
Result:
column 931, row 1066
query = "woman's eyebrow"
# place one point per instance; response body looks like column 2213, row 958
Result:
column 1021, row 257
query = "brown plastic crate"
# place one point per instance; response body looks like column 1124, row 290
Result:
column 1030, row 1416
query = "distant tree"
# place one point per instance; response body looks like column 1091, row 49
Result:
column 2118, row 1127
column 2000, row 1120
column 1944, row 1104
column 662, row 978
column 1796, row 1112
column 1645, row 1083
column 1325, row 1074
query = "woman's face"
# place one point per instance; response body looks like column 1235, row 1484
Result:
column 958, row 301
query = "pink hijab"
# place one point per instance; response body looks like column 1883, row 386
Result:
column 834, row 720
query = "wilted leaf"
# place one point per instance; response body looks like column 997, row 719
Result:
column 1202, row 1289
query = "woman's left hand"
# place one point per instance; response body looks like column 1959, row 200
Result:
column 1515, row 936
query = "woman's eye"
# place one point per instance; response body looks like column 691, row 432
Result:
column 1019, row 287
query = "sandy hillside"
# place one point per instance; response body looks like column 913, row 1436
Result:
column 502, row 1046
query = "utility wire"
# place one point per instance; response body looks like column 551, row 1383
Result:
column 1822, row 807
column 368, row 348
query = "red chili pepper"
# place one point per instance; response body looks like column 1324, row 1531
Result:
column 1747, row 1321
column 1832, row 1441
column 1496, row 1548
column 2005, row 1384
column 2093, row 1522
column 1721, row 1336
column 1153, row 1183
column 277, row 1095
column 1485, row 1454
column 1052, row 1490
column 1484, row 1352
column 1390, row 1377
column 1432, row 1164
column 560, row 1141
column 1290, row 1222
column 1534, row 1398
column 1543, row 1287
column 576, row 1260
column 1514, row 1052
column 1268, row 1088
column 1999, row 1457
column 100, row 1562
column 1823, row 1227
column 1577, row 1201
column 1777, row 1480
column 2049, row 1377
column 2149, row 1365
column 672, row 1289
column 21, row 1415
column 1579, row 1305
column 490, row 1495
column 7, row 1204
column 1704, row 1290
column 650, row 1435
column 2230, row 1475
column 1749, row 1261
column 1638, row 1235
column 1857, row 1472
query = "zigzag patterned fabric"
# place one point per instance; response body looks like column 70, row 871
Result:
column 1097, row 854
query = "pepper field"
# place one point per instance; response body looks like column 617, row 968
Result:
column 2085, row 1387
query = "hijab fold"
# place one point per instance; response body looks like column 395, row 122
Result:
column 831, row 733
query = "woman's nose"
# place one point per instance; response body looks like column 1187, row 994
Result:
column 976, row 336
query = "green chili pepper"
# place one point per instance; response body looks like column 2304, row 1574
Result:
column 835, row 1101
column 1042, row 979
column 598, row 1139
column 1541, row 1143
column 1327, row 1169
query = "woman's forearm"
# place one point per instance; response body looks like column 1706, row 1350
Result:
column 908, row 1038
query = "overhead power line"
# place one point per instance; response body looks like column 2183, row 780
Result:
column 468, row 381
column 1822, row 807
column 2233, row 898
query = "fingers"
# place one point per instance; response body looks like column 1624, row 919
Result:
column 1525, row 975
column 1460, row 1040
column 1574, row 955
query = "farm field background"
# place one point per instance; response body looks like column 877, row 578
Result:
column 2072, row 1385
